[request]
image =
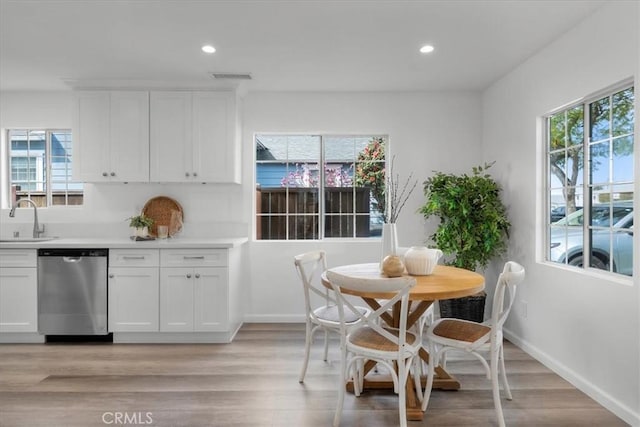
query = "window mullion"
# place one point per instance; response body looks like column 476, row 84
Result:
column 354, row 216
column 48, row 163
column 321, row 191
column 587, row 187
column 28, row 180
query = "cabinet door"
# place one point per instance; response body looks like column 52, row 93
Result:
column 18, row 300
column 214, row 154
column 133, row 299
column 129, row 141
column 91, row 137
column 176, row 299
column 171, row 136
column 211, row 299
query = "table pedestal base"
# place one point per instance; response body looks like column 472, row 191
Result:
column 442, row 381
column 414, row 407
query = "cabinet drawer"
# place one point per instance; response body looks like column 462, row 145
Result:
column 193, row 258
column 134, row 258
column 18, row 258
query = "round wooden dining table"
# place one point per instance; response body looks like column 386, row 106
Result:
column 445, row 282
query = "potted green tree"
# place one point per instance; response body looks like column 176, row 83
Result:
column 473, row 228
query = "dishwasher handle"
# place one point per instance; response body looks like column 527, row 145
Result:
column 72, row 252
column 71, row 259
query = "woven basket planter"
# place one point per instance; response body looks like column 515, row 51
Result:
column 467, row 308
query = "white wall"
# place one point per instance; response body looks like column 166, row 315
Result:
column 211, row 210
column 582, row 326
column 427, row 131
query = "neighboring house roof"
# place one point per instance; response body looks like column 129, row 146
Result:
column 306, row 148
column 262, row 152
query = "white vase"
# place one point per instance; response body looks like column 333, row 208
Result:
column 421, row 261
column 389, row 240
column 140, row 232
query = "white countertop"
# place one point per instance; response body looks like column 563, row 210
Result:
column 127, row 243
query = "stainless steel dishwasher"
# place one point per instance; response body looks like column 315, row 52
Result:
column 72, row 291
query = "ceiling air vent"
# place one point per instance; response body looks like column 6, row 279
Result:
column 232, row 76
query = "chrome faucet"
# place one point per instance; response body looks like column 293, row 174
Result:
column 38, row 229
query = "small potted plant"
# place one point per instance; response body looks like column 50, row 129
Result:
column 140, row 225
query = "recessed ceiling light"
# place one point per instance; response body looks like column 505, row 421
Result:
column 427, row 48
column 208, row 48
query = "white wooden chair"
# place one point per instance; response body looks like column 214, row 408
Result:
column 447, row 334
column 396, row 349
column 310, row 266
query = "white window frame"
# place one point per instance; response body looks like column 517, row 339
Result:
column 47, row 183
column 321, row 199
column 586, row 183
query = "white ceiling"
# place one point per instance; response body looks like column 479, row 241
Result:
column 299, row 45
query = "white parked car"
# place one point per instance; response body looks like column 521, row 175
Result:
column 566, row 239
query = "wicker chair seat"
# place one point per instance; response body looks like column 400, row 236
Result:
column 368, row 338
column 461, row 330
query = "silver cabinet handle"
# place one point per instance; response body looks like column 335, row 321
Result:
column 133, row 257
column 111, row 276
column 186, row 174
column 113, row 174
column 195, row 174
column 194, row 257
column 189, row 276
column 197, row 275
column 105, row 174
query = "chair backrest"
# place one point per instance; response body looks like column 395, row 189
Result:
column 512, row 275
column 310, row 265
column 398, row 289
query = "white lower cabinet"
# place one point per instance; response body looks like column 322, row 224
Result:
column 134, row 291
column 155, row 295
column 211, row 302
column 133, row 299
column 18, row 291
column 194, row 296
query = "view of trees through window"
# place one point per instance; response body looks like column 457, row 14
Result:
column 590, row 183
column 319, row 186
column 40, row 164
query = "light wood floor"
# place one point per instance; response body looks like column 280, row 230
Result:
column 254, row 382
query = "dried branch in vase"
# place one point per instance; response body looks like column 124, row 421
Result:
column 397, row 194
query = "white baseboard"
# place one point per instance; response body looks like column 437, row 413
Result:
column 274, row 318
column 172, row 337
column 21, row 338
column 624, row 412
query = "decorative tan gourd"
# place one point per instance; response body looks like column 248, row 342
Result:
column 392, row 266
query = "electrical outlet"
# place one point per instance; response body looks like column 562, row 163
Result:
column 523, row 309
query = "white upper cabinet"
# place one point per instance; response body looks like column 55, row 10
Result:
column 171, row 136
column 111, row 136
column 194, row 137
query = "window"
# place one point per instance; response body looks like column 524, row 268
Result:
column 590, row 183
column 40, row 167
column 319, row 186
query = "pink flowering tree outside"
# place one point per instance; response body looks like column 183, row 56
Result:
column 370, row 172
column 305, row 176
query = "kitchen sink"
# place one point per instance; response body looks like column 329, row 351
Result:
column 25, row 239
